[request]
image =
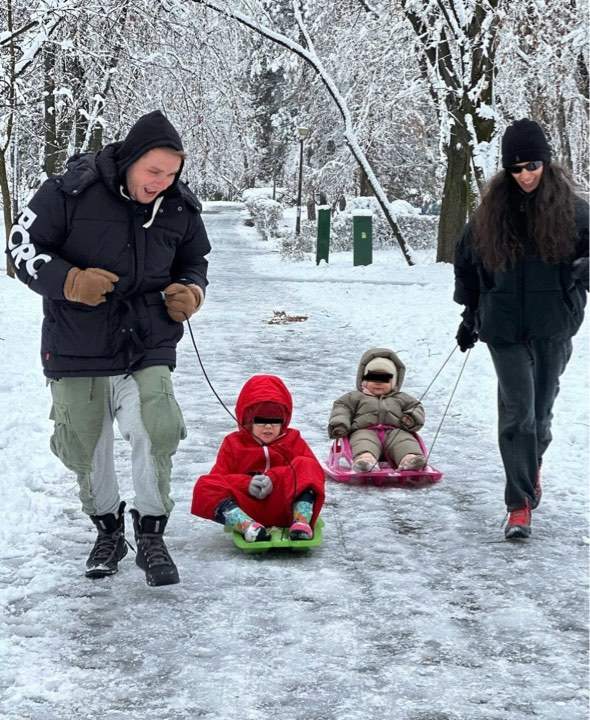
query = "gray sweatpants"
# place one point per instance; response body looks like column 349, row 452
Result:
column 528, row 383
column 148, row 417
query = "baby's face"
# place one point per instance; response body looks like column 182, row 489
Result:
column 378, row 388
column 267, row 432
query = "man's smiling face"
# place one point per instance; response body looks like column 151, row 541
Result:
column 152, row 174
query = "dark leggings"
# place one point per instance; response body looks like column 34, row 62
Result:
column 528, row 383
column 306, row 496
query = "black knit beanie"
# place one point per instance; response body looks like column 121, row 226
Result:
column 524, row 141
column 151, row 131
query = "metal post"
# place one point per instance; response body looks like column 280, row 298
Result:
column 303, row 133
column 362, row 243
column 323, row 241
column 300, row 187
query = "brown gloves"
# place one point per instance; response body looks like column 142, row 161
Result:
column 182, row 300
column 89, row 286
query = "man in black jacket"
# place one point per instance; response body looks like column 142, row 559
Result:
column 116, row 247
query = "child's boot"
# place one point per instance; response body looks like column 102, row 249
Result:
column 412, row 462
column 234, row 517
column 300, row 531
column 255, row 532
column 302, row 513
column 364, row 462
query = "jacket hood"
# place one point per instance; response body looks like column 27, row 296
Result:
column 263, row 389
column 380, row 352
column 81, row 171
column 151, row 131
column 87, row 168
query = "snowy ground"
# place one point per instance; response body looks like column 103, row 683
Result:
column 414, row 608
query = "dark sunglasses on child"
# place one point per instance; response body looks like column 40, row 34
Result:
column 529, row 167
column 378, row 377
column 267, row 420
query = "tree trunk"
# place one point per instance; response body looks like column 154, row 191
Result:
column 364, row 185
column 455, row 199
column 6, row 205
column 51, row 150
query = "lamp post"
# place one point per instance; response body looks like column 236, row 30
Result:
column 303, row 132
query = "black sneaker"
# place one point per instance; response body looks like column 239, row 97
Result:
column 110, row 546
column 152, row 554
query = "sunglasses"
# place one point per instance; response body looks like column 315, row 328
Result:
column 378, row 377
column 267, row 421
column 529, row 167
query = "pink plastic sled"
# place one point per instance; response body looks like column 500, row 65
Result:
column 339, row 467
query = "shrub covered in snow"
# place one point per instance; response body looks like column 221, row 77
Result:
column 294, row 247
column 419, row 230
column 266, row 214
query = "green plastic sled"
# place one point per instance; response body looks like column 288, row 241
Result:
column 279, row 540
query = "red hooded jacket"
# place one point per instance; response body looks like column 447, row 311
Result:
column 288, row 461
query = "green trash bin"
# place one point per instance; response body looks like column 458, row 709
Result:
column 362, row 238
column 323, row 241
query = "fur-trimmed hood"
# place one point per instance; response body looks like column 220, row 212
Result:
column 380, row 352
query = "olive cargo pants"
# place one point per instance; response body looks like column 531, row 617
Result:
column 148, row 417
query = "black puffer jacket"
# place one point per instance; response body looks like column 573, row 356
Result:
column 81, row 219
column 531, row 300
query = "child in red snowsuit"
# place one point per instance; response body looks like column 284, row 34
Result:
column 265, row 473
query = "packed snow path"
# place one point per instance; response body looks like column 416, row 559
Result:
column 414, row 608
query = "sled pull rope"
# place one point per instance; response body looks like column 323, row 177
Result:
column 449, row 356
column 448, row 403
column 223, row 405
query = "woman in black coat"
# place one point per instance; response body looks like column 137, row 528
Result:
column 521, row 271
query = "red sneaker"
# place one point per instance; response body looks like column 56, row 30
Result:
column 519, row 524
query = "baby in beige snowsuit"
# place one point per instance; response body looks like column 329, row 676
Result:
column 378, row 401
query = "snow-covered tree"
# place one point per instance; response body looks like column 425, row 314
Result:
column 457, row 42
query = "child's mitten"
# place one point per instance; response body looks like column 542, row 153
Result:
column 338, row 431
column 408, row 422
column 260, row 486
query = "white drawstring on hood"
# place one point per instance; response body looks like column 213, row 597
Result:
column 157, row 203
column 156, row 206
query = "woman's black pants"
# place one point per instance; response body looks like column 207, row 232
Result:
column 528, row 383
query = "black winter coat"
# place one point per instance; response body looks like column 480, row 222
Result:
column 529, row 301
column 81, row 219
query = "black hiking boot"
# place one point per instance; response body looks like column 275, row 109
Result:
column 110, row 546
column 152, row 554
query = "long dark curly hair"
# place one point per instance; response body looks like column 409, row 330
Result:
column 551, row 227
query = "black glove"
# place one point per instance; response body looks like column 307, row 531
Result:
column 580, row 271
column 466, row 335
